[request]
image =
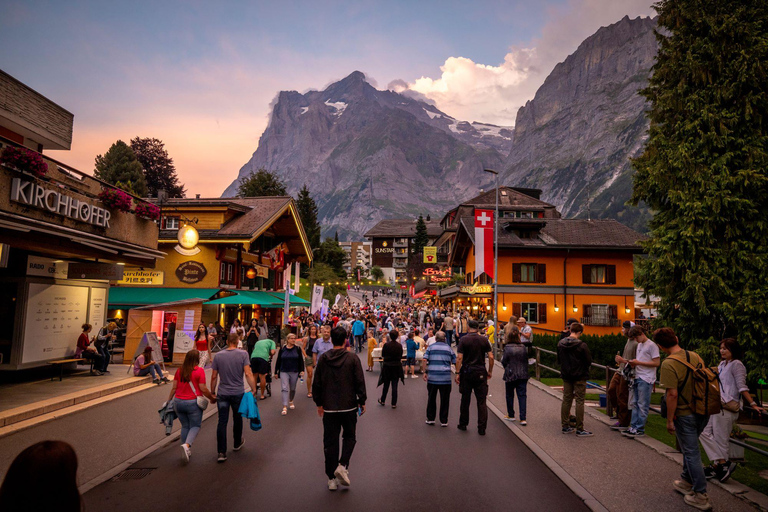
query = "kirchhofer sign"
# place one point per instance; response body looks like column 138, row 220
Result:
column 32, row 194
column 142, row 277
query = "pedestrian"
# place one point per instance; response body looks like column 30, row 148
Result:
column 436, row 366
column 235, row 326
column 144, row 364
column 448, row 328
column 358, row 331
column 188, row 384
column 229, row 367
column 618, row 390
column 391, row 367
column 515, row 363
column 42, row 477
column 323, row 345
column 733, row 388
column 645, row 364
column 411, row 346
column 575, row 359
column 203, row 344
column 261, row 357
column 463, row 327
column 263, row 329
column 86, row 350
column 252, row 335
column 472, row 376
column 309, row 362
column 682, row 422
column 371, row 346
column 288, row 368
column 526, row 333
column 567, row 332
column 339, row 393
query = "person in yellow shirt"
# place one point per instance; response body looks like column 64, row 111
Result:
column 371, row 345
column 490, row 331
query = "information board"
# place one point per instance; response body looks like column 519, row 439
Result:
column 55, row 314
column 97, row 312
column 183, row 341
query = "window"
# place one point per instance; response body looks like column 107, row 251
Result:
column 533, row 312
column 600, row 315
column 484, row 279
column 227, row 272
column 171, row 223
column 598, row 274
column 529, row 273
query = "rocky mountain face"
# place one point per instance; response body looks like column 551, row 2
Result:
column 366, row 154
column 575, row 138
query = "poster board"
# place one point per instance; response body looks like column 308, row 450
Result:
column 54, row 316
column 183, row 341
column 97, row 311
column 150, row 338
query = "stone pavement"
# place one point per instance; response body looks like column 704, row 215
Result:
column 622, row 474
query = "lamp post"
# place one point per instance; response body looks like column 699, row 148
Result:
column 496, row 262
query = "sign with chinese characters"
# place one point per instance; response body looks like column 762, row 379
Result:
column 191, row 272
column 476, row 288
column 142, row 277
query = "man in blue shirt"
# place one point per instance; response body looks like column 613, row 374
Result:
column 358, row 332
column 439, row 357
column 322, row 345
column 411, row 346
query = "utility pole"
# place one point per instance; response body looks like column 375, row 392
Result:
column 496, row 263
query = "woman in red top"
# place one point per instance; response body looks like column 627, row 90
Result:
column 188, row 384
column 203, row 344
column 88, row 351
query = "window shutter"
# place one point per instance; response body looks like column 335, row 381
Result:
column 588, row 310
column 542, row 313
column 516, row 274
column 613, row 311
column 517, row 309
column 610, row 271
column 541, row 273
column 586, row 274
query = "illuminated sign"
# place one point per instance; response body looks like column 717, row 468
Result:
column 476, row 288
column 430, row 254
column 143, row 277
column 34, row 195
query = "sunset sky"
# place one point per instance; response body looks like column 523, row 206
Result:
column 201, row 75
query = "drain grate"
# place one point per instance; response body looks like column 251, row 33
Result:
column 133, row 474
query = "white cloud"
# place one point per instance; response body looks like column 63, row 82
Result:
column 493, row 93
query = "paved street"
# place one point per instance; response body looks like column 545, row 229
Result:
column 399, row 463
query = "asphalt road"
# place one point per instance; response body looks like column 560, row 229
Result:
column 399, row 463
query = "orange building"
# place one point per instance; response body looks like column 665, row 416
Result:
column 550, row 268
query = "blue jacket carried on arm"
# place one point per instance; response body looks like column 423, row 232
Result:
column 250, row 410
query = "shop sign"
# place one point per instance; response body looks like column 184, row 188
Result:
column 436, row 272
column 142, row 277
column 261, row 271
column 439, row 279
column 32, row 194
column 430, row 254
column 105, row 271
column 191, row 272
column 476, row 288
column 46, row 267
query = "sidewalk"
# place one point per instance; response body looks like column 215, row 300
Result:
column 621, row 473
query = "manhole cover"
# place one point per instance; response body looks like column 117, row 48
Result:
column 133, row 474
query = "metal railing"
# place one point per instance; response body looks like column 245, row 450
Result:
column 608, row 405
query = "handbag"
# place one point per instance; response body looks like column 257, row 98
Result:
column 202, row 402
column 732, row 406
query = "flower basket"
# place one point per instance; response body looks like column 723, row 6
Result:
column 115, row 199
column 25, row 160
column 147, row 210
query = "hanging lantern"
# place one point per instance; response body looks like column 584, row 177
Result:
column 251, row 273
column 188, row 237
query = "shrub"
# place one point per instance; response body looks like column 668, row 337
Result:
column 24, row 160
column 148, row 210
column 115, row 199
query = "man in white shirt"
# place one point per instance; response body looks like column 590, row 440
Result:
column 431, row 337
column 526, row 333
column 645, row 363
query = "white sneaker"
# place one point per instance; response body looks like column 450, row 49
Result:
column 333, row 484
column 186, row 452
column 342, row 475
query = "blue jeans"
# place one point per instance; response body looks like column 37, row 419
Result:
column 224, row 403
column 687, row 430
column 449, row 337
column 154, row 370
column 519, row 386
column 191, row 418
column 641, row 391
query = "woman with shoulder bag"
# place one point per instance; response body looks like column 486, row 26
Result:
column 515, row 363
column 733, row 386
column 188, row 402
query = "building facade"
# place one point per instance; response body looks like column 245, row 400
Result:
column 358, row 255
column 392, row 242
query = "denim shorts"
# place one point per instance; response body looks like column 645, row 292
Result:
column 410, row 361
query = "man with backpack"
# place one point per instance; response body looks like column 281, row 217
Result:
column 690, row 391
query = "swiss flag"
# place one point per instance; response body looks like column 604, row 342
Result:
column 484, row 242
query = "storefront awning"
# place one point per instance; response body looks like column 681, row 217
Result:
column 123, row 296
column 292, row 301
column 256, row 298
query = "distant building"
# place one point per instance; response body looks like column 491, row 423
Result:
column 393, row 241
column 358, row 255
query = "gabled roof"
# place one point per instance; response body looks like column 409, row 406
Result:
column 402, row 228
column 510, row 198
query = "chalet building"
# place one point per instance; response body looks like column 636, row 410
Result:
column 550, row 268
column 393, row 246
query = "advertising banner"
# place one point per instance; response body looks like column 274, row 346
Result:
column 317, row 299
column 430, row 255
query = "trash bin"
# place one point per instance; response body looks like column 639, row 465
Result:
column 603, row 401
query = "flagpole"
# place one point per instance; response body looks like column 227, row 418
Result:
column 496, row 331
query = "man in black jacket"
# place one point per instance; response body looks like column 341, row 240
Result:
column 575, row 359
column 339, row 393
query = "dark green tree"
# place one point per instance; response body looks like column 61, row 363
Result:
column 331, row 253
column 336, row 236
column 159, row 171
column 120, row 167
column 308, row 214
column 261, row 183
column 704, row 173
column 422, row 238
column 377, row 273
column 323, row 274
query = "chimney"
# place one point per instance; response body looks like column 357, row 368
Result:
column 197, row 196
column 162, row 195
column 428, row 218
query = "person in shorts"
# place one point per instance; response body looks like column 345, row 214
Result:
column 411, row 346
column 262, row 353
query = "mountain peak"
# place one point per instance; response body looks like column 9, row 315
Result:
column 353, row 86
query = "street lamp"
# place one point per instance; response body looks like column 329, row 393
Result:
column 495, row 253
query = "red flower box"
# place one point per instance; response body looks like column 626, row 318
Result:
column 24, row 160
column 148, row 210
column 115, row 199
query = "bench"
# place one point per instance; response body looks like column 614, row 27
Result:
column 61, row 362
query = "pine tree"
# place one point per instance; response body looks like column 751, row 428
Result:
column 119, row 165
column 308, row 214
column 704, row 173
column 159, row 171
column 336, row 236
column 422, row 238
column 261, row 183
column 331, row 253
